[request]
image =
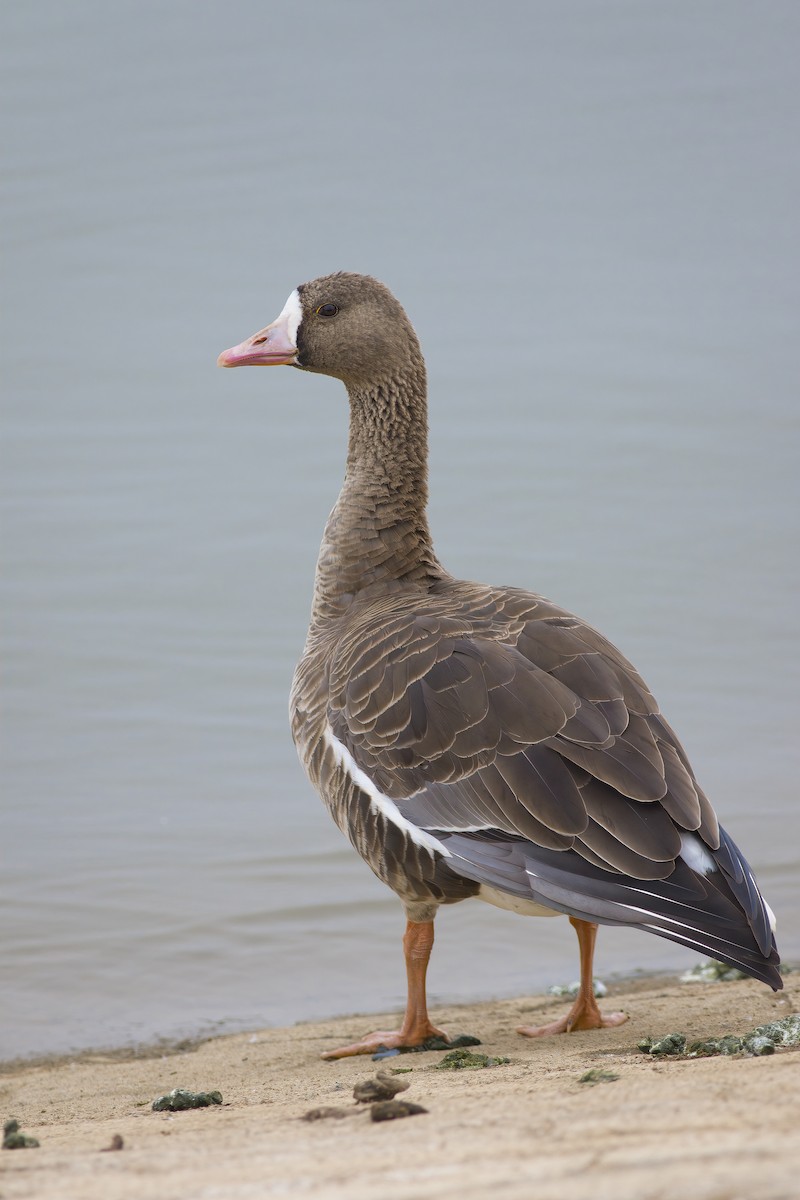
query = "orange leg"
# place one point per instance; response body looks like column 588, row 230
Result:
column 584, row 1013
column 416, row 1027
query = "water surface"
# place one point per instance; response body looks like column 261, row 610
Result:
column 590, row 213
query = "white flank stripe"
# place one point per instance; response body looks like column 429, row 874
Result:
column 293, row 312
column 447, row 826
column 383, row 804
column 695, row 854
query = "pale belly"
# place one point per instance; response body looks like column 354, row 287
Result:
column 528, row 908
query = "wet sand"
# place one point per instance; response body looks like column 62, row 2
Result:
column 711, row 1129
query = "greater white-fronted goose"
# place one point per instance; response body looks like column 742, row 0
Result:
column 474, row 740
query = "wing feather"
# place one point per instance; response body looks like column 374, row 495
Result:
column 499, row 711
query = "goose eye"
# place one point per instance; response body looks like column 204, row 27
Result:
column 327, row 310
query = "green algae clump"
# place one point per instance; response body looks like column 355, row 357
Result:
column 708, row 970
column 465, row 1060
column 673, row 1045
column 13, row 1139
column 179, row 1099
column 759, row 1041
column 598, row 1075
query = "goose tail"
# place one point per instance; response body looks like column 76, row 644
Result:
column 710, row 902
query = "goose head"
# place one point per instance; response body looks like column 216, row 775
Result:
column 344, row 325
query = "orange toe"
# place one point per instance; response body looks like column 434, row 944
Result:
column 391, row 1039
column 574, row 1022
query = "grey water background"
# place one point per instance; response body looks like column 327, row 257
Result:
column 590, row 211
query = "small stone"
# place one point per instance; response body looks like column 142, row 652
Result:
column 382, row 1087
column 179, row 1099
column 391, row 1110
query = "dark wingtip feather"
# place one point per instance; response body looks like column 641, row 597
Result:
column 721, row 913
column 743, row 885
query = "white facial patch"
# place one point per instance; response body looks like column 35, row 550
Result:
column 292, row 314
column 383, row 804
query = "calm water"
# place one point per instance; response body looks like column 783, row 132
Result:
column 590, row 212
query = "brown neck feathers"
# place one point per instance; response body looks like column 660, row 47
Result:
column 377, row 536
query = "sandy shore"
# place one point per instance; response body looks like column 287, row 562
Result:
column 714, row 1128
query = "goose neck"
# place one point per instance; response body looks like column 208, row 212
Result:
column 377, row 538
